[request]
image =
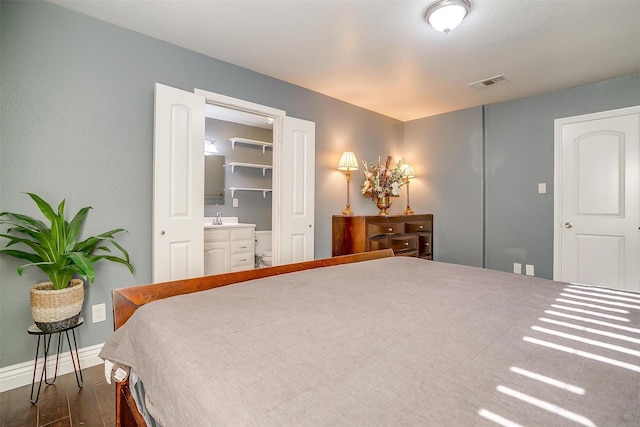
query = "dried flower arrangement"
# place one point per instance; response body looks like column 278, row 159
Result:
column 382, row 180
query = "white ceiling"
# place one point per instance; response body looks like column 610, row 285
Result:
column 381, row 54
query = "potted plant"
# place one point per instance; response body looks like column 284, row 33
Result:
column 57, row 250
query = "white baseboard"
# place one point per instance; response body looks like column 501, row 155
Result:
column 21, row 374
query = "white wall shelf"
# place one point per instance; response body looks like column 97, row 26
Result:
column 263, row 190
column 264, row 168
column 236, row 140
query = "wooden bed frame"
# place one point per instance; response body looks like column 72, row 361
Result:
column 127, row 300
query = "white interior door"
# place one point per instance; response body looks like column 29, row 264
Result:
column 296, row 202
column 598, row 181
column 178, row 184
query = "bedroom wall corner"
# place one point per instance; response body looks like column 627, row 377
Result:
column 446, row 152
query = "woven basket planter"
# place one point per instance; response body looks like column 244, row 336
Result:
column 54, row 310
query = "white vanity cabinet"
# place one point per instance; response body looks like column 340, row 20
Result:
column 228, row 248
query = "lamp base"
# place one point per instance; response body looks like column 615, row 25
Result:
column 408, row 211
column 347, row 210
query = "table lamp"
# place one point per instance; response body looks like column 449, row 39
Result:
column 348, row 163
column 408, row 173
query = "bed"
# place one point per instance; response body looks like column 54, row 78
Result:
column 372, row 339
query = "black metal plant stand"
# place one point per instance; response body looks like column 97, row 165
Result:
column 46, row 345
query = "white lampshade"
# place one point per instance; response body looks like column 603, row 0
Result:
column 407, row 170
column 445, row 15
column 348, row 161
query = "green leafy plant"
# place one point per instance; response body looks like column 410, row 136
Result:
column 56, row 249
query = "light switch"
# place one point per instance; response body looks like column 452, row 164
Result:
column 98, row 313
column 542, row 188
column 235, row 203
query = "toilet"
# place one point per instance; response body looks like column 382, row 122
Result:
column 263, row 248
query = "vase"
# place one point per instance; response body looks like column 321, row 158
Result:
column 383, row 203
column 53, row 310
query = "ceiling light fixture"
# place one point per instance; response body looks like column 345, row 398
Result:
column 210, row 147
column 445, row 15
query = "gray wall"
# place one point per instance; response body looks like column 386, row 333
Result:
column 454, row 170
column 253, row 207
column 76, row 122
column 446, row 154
column 519, row 155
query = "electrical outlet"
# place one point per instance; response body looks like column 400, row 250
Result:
column 529, row 269
column 517, row 268
column 98, row 313
column 235, row 203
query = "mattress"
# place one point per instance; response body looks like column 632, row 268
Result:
column 393, row 341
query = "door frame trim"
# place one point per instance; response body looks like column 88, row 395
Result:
column 278, row 123
column 557, row 175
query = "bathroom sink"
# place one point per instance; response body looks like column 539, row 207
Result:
column 228, row 225
column 227, row 222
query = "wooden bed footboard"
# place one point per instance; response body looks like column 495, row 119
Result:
column 127, row 300
column 127, row 413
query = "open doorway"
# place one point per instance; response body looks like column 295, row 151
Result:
column 250, row 119
column 239, row 175
column 293, row 178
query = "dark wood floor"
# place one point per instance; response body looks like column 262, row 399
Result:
column 62, row 403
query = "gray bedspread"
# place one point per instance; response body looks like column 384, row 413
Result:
column 395, row 341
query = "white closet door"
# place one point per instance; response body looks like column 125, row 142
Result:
column 178, row 184
column 297, row 186
column 598, row 159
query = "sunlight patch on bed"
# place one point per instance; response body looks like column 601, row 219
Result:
column 547, row 380
column 570, row 310
column 599, row 307
column 601, row 301
column 601, row 295
column 589, row 312
column 590, row 330
column 594, row 321
column 498, row 419
column 589, row 341
column 585, row 354
column 546, row 406
column 607, row 291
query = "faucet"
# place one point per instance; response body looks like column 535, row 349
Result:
column 218, row 220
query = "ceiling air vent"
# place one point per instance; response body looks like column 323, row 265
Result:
column 488, row 82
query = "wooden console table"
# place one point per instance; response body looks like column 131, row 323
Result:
column 407, row 235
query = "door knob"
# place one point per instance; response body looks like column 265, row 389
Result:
column 162, row 232
column 568, row 225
